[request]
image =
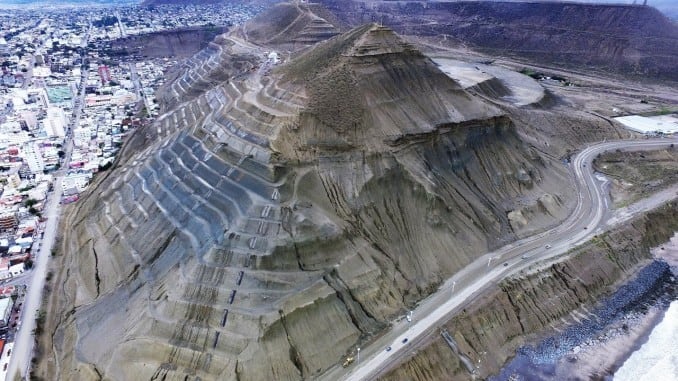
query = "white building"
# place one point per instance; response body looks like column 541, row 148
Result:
column 33, row 157
column 4, row 48
column 55, row 122
column 7, row 273
column 5, row 309
column 13, row 139
column 82, row 136
column 77, row 180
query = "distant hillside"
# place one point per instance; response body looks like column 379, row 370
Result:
column 178, row 43
column 625, row 39
column 149, row 3
column 291, row 25
column 667, row 7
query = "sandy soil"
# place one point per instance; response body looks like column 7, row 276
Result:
column 524, row 90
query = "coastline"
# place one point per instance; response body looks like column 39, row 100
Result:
column 601, row 357
column 658, row 358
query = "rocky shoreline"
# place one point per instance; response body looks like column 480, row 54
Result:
column 583, row 300
column 600, row 341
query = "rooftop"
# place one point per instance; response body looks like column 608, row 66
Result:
column 667, row 124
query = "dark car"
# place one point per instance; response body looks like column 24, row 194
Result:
column 388, row 349
column 505, row 264
column 405, row 340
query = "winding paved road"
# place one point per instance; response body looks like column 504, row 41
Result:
column 591, row 216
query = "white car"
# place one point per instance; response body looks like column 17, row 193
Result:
column 548, row 246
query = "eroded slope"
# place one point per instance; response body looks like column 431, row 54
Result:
column 626, row 38
column 251, row 216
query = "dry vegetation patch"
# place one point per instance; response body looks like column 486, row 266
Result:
column 635, row 175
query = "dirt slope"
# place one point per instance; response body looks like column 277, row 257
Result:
column 525, row 306
column 290, row 26
column 250, row 218
column 625, row 39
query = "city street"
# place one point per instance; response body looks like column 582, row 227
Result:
column 23, row 345
column 22, row 354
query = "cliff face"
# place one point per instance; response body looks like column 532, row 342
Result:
column 246, row 220
column 532, row 303
column 621, row 38
column 179, row 43
column 290, row 26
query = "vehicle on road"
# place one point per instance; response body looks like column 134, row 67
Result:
column 505, row 264
column 523, row 257
column 388, row 349
column 547, row 246
column 404, row 340
column 348, row 361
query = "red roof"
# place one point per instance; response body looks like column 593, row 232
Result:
column 6, row 291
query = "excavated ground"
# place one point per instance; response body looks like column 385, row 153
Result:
column 635, row 175
column 178, row 43
column 252, row 215
column 535, row 303
column 609, row 38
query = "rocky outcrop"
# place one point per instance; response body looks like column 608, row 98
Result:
column 249, row 217
column 609, row 37
column 290, row 26
column 533, row 302
column 178, row 43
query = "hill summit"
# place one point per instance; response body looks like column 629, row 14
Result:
column 291, row 26
column 369, row 87
column 264, row 206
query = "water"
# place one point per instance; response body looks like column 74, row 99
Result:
column 539, row 362
column 657, row 359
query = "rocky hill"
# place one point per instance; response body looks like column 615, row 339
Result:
column 636, row 40
column 178, row 43
column 291, row 26
column 535, row 302
column 266, row 204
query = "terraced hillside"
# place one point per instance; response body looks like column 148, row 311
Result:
column 266, row 205
column 291, row 26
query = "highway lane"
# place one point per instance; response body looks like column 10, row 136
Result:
column 590, row 217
